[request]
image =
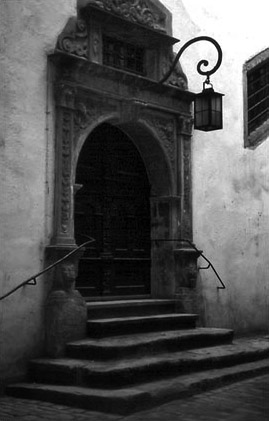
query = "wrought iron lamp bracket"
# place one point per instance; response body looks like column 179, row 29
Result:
column 201, row 63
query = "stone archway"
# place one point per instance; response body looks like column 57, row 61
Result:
column 91, row 89
column 113, row 206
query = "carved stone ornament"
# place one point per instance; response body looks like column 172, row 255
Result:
column 96, row 45
column 178, row 77
column 74, row 38
column 187, row 213
column 84, row 115
column 65, row 95
column 66, row 171
column 165, row 130
column 186, row 125
column 138, row 11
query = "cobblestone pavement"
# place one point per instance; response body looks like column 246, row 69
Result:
column 243, row 401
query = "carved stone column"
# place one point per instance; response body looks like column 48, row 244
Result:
column 185, row 256
column 65, row 309
column 64, row 200
column 185, row 182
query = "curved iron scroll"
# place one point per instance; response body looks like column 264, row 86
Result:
column 199, row 252
column 201, row 62
column 32, row 279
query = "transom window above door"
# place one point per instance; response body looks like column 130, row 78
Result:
column 123, row 55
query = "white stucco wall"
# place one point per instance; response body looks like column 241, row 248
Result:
column 230, row 183
column 28, row 30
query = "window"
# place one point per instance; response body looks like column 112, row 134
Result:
column 256, row 109
column 123, row 55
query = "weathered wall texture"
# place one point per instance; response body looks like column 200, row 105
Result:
column 230, row 183
column 29, row 30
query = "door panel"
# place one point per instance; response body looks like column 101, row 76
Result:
column 113, row 207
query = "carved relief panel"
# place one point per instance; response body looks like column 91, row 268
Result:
column 165, row 129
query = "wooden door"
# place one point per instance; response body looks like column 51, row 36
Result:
column 113, row 207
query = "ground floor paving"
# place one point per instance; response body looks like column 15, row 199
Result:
column 247, row 400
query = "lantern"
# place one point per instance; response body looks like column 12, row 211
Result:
column 208, row 110
column 208, row 103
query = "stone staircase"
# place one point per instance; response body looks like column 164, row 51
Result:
column 140, row 353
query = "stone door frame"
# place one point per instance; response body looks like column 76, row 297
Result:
column 158, row 119
column 161, row 134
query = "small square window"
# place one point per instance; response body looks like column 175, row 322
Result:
column 123, row 55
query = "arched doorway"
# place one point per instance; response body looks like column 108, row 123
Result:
column 113, row 206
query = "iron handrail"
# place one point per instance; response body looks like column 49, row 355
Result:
column 200, row 253
column 32, row 279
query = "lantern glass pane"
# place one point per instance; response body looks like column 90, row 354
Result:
column 198, row 105
column 213, row 103
column 219, row 104
column 208, row 111
column 201, row 119
column 205, row 118
column 201, row 112
column 216, row 103
column 216, row 119
column 204, row 104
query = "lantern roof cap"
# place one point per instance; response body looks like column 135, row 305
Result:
column 209, row 92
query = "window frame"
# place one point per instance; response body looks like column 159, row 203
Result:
column 258, row 135
column 116, row 41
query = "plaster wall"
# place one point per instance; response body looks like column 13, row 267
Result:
column 230, row 183
column 28, row 31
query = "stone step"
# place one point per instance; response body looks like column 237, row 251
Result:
column 124, row 325
column 128, row 400
column 147, row 343
column 128, row 308
column 124, row 372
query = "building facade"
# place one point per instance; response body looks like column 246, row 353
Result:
column 93, row 147
column 230, row 176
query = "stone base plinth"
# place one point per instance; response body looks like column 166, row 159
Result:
column 186, row 300
column 65, row 320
